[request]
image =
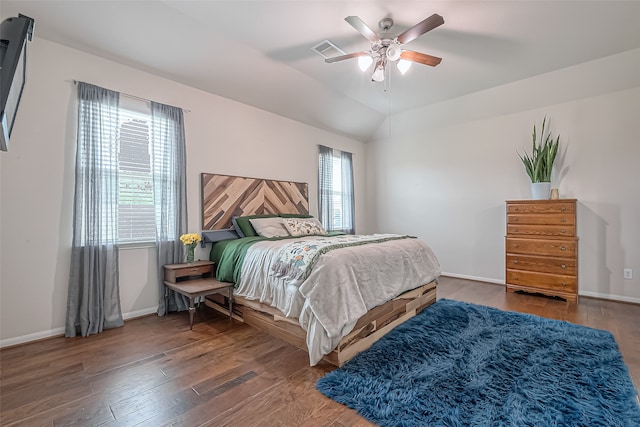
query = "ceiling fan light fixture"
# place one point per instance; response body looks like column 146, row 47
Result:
column 378, row 74
column 364, row 62
column 403, row 65
column 393, row 52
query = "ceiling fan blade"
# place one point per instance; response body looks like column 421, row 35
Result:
column 421, row 58
column 420, row 28
column 362, row 28
column 348, row 56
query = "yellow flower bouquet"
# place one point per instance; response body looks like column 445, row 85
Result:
column 190, row 240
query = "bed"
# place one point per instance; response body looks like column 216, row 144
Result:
column 332, row 295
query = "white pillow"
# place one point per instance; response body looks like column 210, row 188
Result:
column 269, row 227
column 304, row 226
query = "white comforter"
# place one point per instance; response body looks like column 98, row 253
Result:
column 344, row 284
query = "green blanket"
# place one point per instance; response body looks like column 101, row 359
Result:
column 229, row 255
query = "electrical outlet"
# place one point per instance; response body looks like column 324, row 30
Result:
column 627, row 273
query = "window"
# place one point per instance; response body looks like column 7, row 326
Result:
column 336, row 200
column 127, row 147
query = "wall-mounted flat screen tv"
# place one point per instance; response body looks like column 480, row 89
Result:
column 14, row 35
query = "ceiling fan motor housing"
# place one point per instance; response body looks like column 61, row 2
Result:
column 385, row 24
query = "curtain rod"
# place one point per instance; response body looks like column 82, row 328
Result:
column 75, row 82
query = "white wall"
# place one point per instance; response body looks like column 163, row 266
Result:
column 444, row 172
column 444, row 177
column 37, row 178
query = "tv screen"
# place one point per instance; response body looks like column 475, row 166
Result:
column 14, row 35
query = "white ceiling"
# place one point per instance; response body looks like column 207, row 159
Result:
column 259, row 52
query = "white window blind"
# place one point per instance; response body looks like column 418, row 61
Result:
column 336, row 206
column 136, row 210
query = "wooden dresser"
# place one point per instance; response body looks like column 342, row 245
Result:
column 542, row 247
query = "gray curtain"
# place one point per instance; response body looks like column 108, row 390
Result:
column 325, row 186
column 169, row 193
column 93, row 298
column 348, row 199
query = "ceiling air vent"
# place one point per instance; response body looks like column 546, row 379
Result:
column 327, row 49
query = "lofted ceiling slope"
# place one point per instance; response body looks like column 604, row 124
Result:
column 259, row 52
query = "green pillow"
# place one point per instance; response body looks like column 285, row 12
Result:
column 285, row 215
column 245, row 226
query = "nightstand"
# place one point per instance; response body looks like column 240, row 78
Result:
column 194, row 280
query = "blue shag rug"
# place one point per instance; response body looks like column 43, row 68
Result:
column 459, row 364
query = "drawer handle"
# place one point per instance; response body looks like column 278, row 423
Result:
column 564, row 284
column 563, row 248
column 516, row 277
column 516, row 261
column 515, row 219
column 563, row 266
column 563, row 209
column 563, row 231
column 515, row 245
column 193, row 269
column 515, row 230
column 563, row 219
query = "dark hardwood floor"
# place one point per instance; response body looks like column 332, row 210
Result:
column 156, row 372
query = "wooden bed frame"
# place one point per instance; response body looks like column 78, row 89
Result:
column 369, row 328
column 224, row 196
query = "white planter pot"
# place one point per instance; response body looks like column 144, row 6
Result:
column 540, row 190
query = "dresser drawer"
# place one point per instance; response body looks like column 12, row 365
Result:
column 541, row 207
column 542, row 281
column 565, row 266
column 541, row 230
column 542, row 219
column 529, row 246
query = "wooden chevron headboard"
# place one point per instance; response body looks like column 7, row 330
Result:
column 225, row 196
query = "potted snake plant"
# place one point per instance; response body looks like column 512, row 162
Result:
column 539, row 164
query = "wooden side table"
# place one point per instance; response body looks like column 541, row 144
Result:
column 194, row 280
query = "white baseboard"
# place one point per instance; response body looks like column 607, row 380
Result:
column 144, row 312
column 476, row 278
column 31, row 337
column 60, row 331
column 139, row 313
column 609, row 297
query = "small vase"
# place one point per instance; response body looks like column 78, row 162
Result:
column 190, row 253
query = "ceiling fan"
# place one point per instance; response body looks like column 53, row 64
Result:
column 387, row 48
